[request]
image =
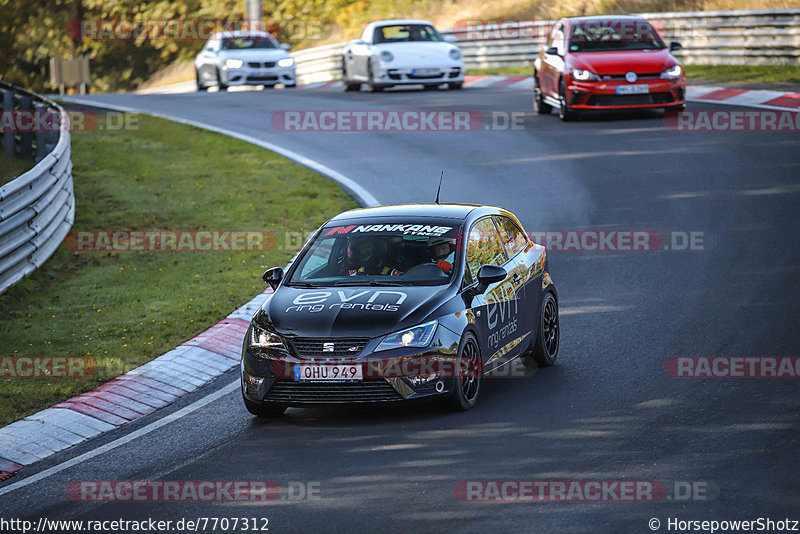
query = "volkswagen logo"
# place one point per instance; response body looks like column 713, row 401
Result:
column 630, row 77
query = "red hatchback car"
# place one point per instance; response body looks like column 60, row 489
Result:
column 605, row 63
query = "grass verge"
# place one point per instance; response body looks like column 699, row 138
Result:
column 10, row 168
column 125, row 308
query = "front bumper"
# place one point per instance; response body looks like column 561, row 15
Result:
column 388, row 74
column 247, row 75
column 395, row 375
column 603, row 95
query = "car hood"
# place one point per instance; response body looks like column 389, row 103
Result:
column 417, row 50
column 639, row 61
column 262, row 54
column 368, row 311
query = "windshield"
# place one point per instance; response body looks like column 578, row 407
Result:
column 405, row 33
column 247, row 43
column 407, row 253
column 613, row 35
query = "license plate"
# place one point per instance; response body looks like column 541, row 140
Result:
column 426, row 72
column 324, row 373
column 638, row 89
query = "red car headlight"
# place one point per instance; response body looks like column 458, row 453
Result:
column 672, row 73
column 582, row 75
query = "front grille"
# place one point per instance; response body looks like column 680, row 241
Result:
column 425, row 77
column 258, row 64
column 292, row 392
column 629, row 100
column 262, row 78
column 454, row 73
column 644, row 76
column 313, row 346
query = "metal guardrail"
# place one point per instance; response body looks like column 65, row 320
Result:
column 37, row 209
column 761, row 37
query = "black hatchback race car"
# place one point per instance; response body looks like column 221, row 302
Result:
column 400, row 303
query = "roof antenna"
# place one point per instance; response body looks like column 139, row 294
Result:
column 440, row 187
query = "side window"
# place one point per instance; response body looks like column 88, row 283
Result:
column 513, row 238
column 553, row 33
column 317, row 257
column 558, row 39
column 483, row 246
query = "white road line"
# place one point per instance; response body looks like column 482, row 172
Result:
column 364, row 197
column 123, row 440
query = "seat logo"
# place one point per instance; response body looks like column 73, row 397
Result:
column 327, row 347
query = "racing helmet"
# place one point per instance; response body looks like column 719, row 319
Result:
column 367, row 250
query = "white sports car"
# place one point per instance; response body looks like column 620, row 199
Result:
column 244, row 58
column 402, row 52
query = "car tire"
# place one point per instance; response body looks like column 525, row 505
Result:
column 539, row 105
column 564, row 113
column 347, row 85
column 200, row 86
column 222, row 86
column 467, row 388
column 290, row 86
column 374, row 87
column 455, row 86
column 263, row 410
column 548, row 335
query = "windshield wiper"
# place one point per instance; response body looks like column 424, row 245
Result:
column 305, row 285
column 367, row 283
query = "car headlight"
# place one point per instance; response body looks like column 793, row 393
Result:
column 233, row 63
column 286, row 62
column 386, row 56
column 673, row 72
column 584, row 75
column 263, row 343
column 455, row 53
column 418, row 336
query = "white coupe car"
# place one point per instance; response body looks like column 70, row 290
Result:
column 244, row 58
column 402, row 52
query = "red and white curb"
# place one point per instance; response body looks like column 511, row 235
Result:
column 130, row 396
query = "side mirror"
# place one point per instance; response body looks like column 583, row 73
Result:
column 675, row 45
column 450, row 38
column 490, row 274
column 552, row 51
column 286, row 46
column 273, row 277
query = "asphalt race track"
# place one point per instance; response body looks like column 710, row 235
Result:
column 607, row 411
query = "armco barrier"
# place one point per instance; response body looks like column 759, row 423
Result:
column 37, row 209
column 762, row 37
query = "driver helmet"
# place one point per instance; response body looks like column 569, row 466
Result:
column 366, row 251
